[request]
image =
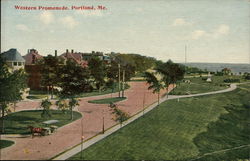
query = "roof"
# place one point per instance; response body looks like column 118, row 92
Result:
column 12, row 55
column 76, row 57
column 29, row 57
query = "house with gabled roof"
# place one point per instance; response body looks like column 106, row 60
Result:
column 32, row 57
column 13, row 59
column 76, row 57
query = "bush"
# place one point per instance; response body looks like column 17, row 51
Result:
column 247, row 77
column 204, row 78
column 231, row 80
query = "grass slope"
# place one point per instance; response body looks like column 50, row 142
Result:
column 107, row 100
column 182, row 131
column 16, row 123
column 198, row 85
column 5, row 143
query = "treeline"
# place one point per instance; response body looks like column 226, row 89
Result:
column 139, row 62
column 73, row 79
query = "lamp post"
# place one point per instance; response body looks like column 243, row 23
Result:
column 143, row 103
column 119, row 80
column 103, row 121
column 82, row 137
column 123, row 82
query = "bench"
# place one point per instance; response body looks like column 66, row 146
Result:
column 52, row 127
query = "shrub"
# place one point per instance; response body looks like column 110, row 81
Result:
column 231, row 80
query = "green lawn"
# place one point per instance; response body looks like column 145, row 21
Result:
column 183, row 130
column 42, row 94
column 107, row 100
column 197, row 85
column 16, row 123
column 5, row 143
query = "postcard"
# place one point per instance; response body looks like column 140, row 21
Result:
column 125, row 80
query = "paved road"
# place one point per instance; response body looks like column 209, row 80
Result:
column 43, row 148
column 92, row 141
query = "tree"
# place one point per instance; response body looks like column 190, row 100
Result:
column 171, row 72
column 62, row 105
column 12, row 83
column 50, row 66
column 120, row 116
column 46, row 104
column 98, row 71
column 73, row 80
column 154, row 83
column 73, row 103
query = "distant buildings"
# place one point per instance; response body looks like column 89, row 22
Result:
column 14, row 59
column 76, row 57
column 32, row 68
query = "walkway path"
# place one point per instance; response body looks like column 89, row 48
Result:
column 43, row 148
column 92, row 141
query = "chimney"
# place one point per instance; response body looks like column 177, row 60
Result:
column 55, row 53
column 72, row 51
column 67, row 51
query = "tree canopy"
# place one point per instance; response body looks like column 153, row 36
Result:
column 12, row 83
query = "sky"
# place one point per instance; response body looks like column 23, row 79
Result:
column 214, row 31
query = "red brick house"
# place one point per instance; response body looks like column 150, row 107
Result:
column 32, row 69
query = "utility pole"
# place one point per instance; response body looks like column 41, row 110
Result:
column 143, row 103
column 103, row 121
column 82, row 137
column 123, row 82
column 185, row 54
column 119, row 80
column 186, row 58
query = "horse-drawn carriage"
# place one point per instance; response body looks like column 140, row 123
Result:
column 42, row 131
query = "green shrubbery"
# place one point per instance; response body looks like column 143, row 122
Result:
column 231, row 80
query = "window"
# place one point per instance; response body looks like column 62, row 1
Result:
column 19, row 63
column 15, row 63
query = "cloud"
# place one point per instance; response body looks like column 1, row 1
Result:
column 218, row 32
column 22, row 27
column 180, row 22
column 198, row 34
column 139, row 10
column 223, row 29
column 68, row 21
column 90, row 13
column 46, row 17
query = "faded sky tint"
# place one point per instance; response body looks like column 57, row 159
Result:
column 214, row 31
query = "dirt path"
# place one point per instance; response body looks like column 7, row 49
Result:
column 66, row 137
column 221, row 151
